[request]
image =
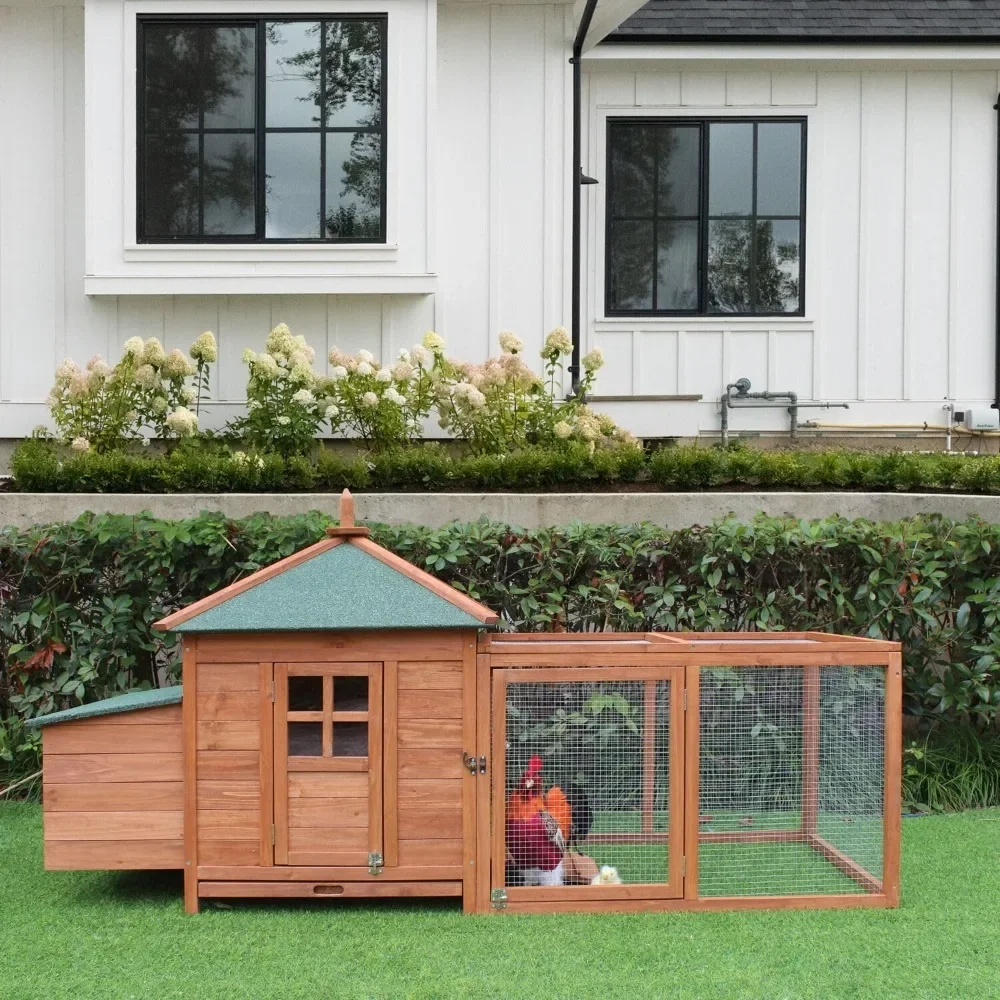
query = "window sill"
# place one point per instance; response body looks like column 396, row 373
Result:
column 700, row 322
column 250, row 283
column 246, row 253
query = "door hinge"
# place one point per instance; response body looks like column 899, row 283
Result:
column 272, row 834
column 498, row 897
column 375, row 863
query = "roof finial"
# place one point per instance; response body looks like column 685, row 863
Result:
column 346, row 509
column 347, row 528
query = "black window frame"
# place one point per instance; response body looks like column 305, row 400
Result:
column 261, row 130
column 703, row 124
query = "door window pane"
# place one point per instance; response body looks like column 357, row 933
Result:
column 729, row 266
column 679, row 170
column 730, row 169
column 293, row 79
column 350, row 694
column 779, row 168
column 353, row 73
column 292, row 195
column 305, row 739
column 777, row 257
column 305, row 694
column 228, row 178
column 677, row 265
column 631, row 262
column 350, row 739
column 353, row 184
column 170, row 199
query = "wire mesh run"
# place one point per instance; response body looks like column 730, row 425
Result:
column 791, row 781
column 587, row 783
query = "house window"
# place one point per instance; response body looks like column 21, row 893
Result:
column 705, row 217
column 259, row 130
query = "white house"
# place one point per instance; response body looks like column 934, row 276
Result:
column 800, row 194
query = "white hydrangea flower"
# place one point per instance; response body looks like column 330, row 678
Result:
column 337, row 372
column 159, row 405
column 284, row 421
column 267, row 365
column 369, row 399
column 145, row 375
column 364, row 368
column 302, row 374
column 80, row 444
column 332, row 412
column 248, row 355
column 304, row 397
column 145, row 442
column 557, row 342
column 134, row 347
column 433, row 341
column 402, row 371
column 593, row 360
column 419, row 354
column 510, row 342
column 383, row 375
column 175, row 365
column 563, row 429
column 189, row 394
column 394, row 396
column 205, row 348
column 475, row 398
column 404, row 356
column 366, row 356
column 153, row 353
column 182, row 422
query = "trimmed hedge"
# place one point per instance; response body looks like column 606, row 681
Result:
column 39, row 467
column 77, row 600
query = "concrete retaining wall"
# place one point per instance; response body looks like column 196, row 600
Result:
column 529, row 510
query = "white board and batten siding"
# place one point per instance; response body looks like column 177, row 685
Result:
column 900, row 250
column 490, row 233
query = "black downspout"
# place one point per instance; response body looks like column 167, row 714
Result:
column 575, row 333
column 996, row 306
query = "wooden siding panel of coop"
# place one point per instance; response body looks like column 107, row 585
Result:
column 470, row 780
column 230, row 752
column 483, row 787
column 114, row 803
column 390, row 763
column 441, row 645
column 893, row 714
column 189, row 677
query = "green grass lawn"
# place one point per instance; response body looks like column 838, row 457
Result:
column 91, row 934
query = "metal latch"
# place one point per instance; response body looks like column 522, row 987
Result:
column 474, row 766
column 375, row 862
column 498, row 897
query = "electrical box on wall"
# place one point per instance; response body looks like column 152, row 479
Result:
column 980, row 419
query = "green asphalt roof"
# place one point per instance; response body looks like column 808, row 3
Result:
column 342, row 588
column 131, row 702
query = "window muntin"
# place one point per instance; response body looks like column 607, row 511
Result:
column 705, row 217
column 262, row 130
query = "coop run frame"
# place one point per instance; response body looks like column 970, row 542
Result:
column 814, row 667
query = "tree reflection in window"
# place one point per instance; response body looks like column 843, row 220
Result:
column 300, row 158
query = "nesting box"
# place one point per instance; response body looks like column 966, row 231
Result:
column 347, row 727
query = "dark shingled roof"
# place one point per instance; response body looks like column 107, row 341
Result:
column 813, row 20
column 134, row 701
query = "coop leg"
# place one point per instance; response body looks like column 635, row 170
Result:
column 190, row 891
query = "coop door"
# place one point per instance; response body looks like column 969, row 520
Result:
column 327, row 763
column 588, row 774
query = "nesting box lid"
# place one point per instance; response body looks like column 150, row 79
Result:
column 133, row 701
column 344, row 582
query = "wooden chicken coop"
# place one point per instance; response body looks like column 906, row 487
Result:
column 347, row 727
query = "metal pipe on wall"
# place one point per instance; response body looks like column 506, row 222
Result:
column 578, row 181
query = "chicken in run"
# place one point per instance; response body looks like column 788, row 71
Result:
column 542, row 827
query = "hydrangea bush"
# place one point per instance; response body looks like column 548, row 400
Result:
column 287, row 402
column 149, row 392
column 385, row 405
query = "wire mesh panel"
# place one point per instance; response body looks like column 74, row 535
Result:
column 790, row 780
column 587, row 783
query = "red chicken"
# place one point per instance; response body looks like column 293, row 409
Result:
column 538, row 828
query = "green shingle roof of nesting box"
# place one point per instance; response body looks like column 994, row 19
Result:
column 344, row 582
column 134, row 701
